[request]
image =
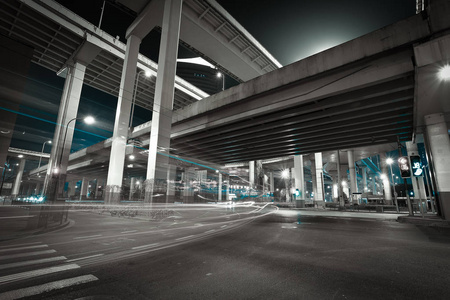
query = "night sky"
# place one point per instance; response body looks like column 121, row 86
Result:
column 289, row 29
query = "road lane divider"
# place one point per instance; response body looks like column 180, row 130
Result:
column 23, row 248
column 86, row 237
column 85, row 257
column 146, row 246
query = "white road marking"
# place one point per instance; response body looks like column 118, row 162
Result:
column 47, row 287
column 185, row 237
column 129, row 231
column 26, row 254
column 145, row 246
column 86, row 257
column 86, row 237
column 223, row 226
column 39, row 272
column 16, row 245
column 210, row 231
column 17, row 217
column 23, row 248
column 32, row 262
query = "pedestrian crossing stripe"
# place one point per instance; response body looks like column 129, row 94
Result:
column 47, row 287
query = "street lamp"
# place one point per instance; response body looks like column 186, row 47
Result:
column 390, row 161
column 444, row 73
column 42, row 152
column 147, row 75
column 88, row 120
column 220, row 75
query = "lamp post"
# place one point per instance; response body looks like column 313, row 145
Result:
column 390, row 161
column 220, row 75
column 88, row 120
column 133, row 101
column 42, row 152
column 51, row 187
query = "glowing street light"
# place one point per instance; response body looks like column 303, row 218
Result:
column 88, row 120
column 444, row 73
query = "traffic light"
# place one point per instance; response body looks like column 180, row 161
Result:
column 403, row 164
column 416, row 166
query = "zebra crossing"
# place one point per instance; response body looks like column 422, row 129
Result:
column 19, row 263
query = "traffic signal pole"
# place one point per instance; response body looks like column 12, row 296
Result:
column 405, row 184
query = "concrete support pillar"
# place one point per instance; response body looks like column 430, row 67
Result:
column 385, row 179
column 227, row 192
column 171, row 178
column 120, row 133
column 251, row 173
column 339, row 190
column 157, row 165
column 439, row 146
column 352, row 172
column 299, row 176
column 219, row 188
column 271, row 182
column 62, row 139
column 38, row 188
column 84, row 188
column 319, row 192
column 18, row 181
column 188, row 192
column 132, row 188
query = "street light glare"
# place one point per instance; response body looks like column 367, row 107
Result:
column 444, row 73
column 148, row 74
column 89, row 120
column 219, row 74
column 49, row 142
column 389, row 161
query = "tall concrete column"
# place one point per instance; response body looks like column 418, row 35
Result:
column 219, row 188
column 385, row 179
column 158, row 162
column 352, row 172
column 299, row 175
column 132, row 188
column 271, row 182
column 188, row 192
column 84, row 188
column 171, row 178
column 38, row 188
column 120, row 133
column 62, row 139
column 439, row 144
column 318, row 194
column 18, row 181
column 251, row 173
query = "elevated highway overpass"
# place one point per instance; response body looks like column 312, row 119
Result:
column 373, row 90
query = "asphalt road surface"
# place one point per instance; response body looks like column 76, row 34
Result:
column 224, row 254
